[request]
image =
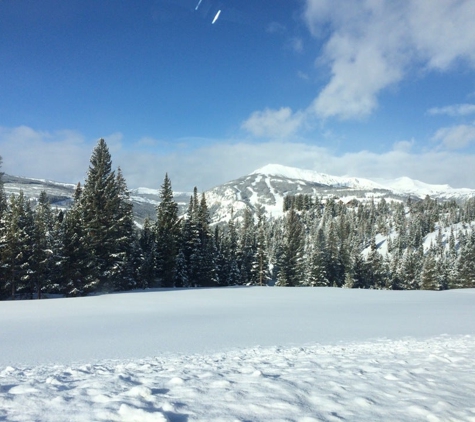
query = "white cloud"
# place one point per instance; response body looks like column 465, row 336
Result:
column 455, row 137
column 454, row 110
column 274, row 123
column 61, row 155
column 372, row 44
column 403, row 146
column 64, row 156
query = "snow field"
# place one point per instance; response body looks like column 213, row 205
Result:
column 240, row 354
column 397, row 380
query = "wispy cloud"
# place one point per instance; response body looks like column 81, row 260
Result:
column 61, row 155
column 276, row 124
column 64, row 156
column 454, row 110
column 455, row 137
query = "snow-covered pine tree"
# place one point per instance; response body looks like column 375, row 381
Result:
column 291, row 271
column 466, row 264
column 125, row 248
column 190, row 241
column 147, row 268
column 207, row 274
column 167, row 229
column 230, row 254
column 260, row 261
column 43, row 256
column 247, row 246
column 430, row 274
column 78, row 277
column 376, row 269
column 105, row 214
column 17, row 244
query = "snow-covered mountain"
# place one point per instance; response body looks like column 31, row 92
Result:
column 268, row 186
column 145, row 200
column 265, row 187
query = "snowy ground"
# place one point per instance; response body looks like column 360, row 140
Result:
column 240, row 354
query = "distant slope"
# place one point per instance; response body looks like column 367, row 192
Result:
column 265, row 187
column 61, row 195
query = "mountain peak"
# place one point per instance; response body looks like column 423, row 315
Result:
column 285, row 171
column 312, row 176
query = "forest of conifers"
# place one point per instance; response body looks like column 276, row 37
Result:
column 96, row 247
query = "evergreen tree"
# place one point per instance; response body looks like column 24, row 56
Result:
column 207, row 274
column 260, row 262
column 334, row 268
column 78, row 275
column 291, row 265
column 106, row 217
column 232, row 273
column 43, row 255
column 17, row 247
column 247, row 247
column 466, row 264
column 316, row 268
column 167, row 234
column 430, row 273
column 124, row 246
column 147, row 270
column 376, row 271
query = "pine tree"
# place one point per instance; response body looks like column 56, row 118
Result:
column 335, row 270
column 466, row 264
column 167, row 234
column 106, row 217
column 78, row 275
column 207, row 274
column 17, row 250
column 316, row 268
column 260, row 261
column 230, row 252
column 122, row 230
column 376, row 271
column 147, row 270
column 43, row 255
column 190, row 241
column 247, row 246
column 430, row 273
column 291, row 265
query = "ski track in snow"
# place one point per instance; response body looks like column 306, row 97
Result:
column 398, row 380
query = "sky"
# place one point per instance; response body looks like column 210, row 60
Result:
column 211, row 90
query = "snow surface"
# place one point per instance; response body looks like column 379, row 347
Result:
column 402, row 185
column 240, row 354
column 315, row 177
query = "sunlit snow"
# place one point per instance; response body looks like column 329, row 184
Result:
column 240, row 354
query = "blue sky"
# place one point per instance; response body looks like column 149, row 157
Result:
column 368, row 88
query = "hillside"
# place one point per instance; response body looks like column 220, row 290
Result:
column 265, row 187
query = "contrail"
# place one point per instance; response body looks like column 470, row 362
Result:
column 198, row 5
column 216, row 17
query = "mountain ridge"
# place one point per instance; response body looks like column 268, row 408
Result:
column 263, row 188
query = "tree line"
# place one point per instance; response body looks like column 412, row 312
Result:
column 95, row 246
